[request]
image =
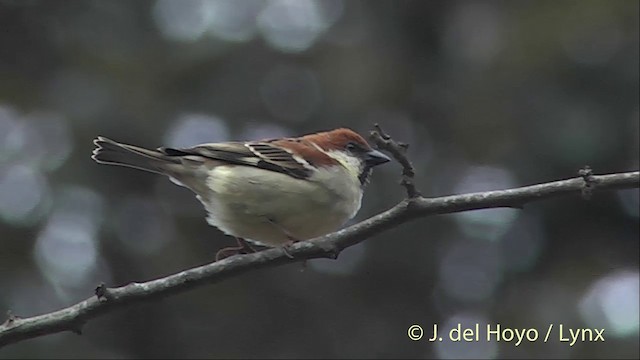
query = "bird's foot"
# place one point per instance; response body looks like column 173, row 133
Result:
column 287, row 245
column 228, row 251
column 243, row 248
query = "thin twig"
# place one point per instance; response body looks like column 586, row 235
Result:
column 399, row 152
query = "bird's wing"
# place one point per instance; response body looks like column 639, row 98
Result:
column 261, row 154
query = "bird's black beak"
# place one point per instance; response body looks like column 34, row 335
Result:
column 375, row 157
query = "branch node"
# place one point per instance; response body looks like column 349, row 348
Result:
column 11, row 318
column 333, row 254
column 589, row 182
column 399, row 152
column 102, row 292
column 331, row 250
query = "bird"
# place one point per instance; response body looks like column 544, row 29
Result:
column 271, row 192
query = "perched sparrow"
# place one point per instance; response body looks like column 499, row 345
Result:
column 272, row 192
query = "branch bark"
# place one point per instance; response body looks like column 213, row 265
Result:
column 72, row 318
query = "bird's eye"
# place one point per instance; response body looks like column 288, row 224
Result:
column 352, row 146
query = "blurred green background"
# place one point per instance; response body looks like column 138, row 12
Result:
column 490, row 95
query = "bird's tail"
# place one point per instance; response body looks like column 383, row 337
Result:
column 114, row 153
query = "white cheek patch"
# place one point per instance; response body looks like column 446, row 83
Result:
column 351, row 163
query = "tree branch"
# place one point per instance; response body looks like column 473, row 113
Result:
column 72, row 318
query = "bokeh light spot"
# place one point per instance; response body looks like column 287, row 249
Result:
column 487, row 224
column 234, row 20
column 22, row 191
column 66, row 250
column 11, row 133
column 612, row 303
column 185, row 20
column 294, row 25
column 49, row 139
